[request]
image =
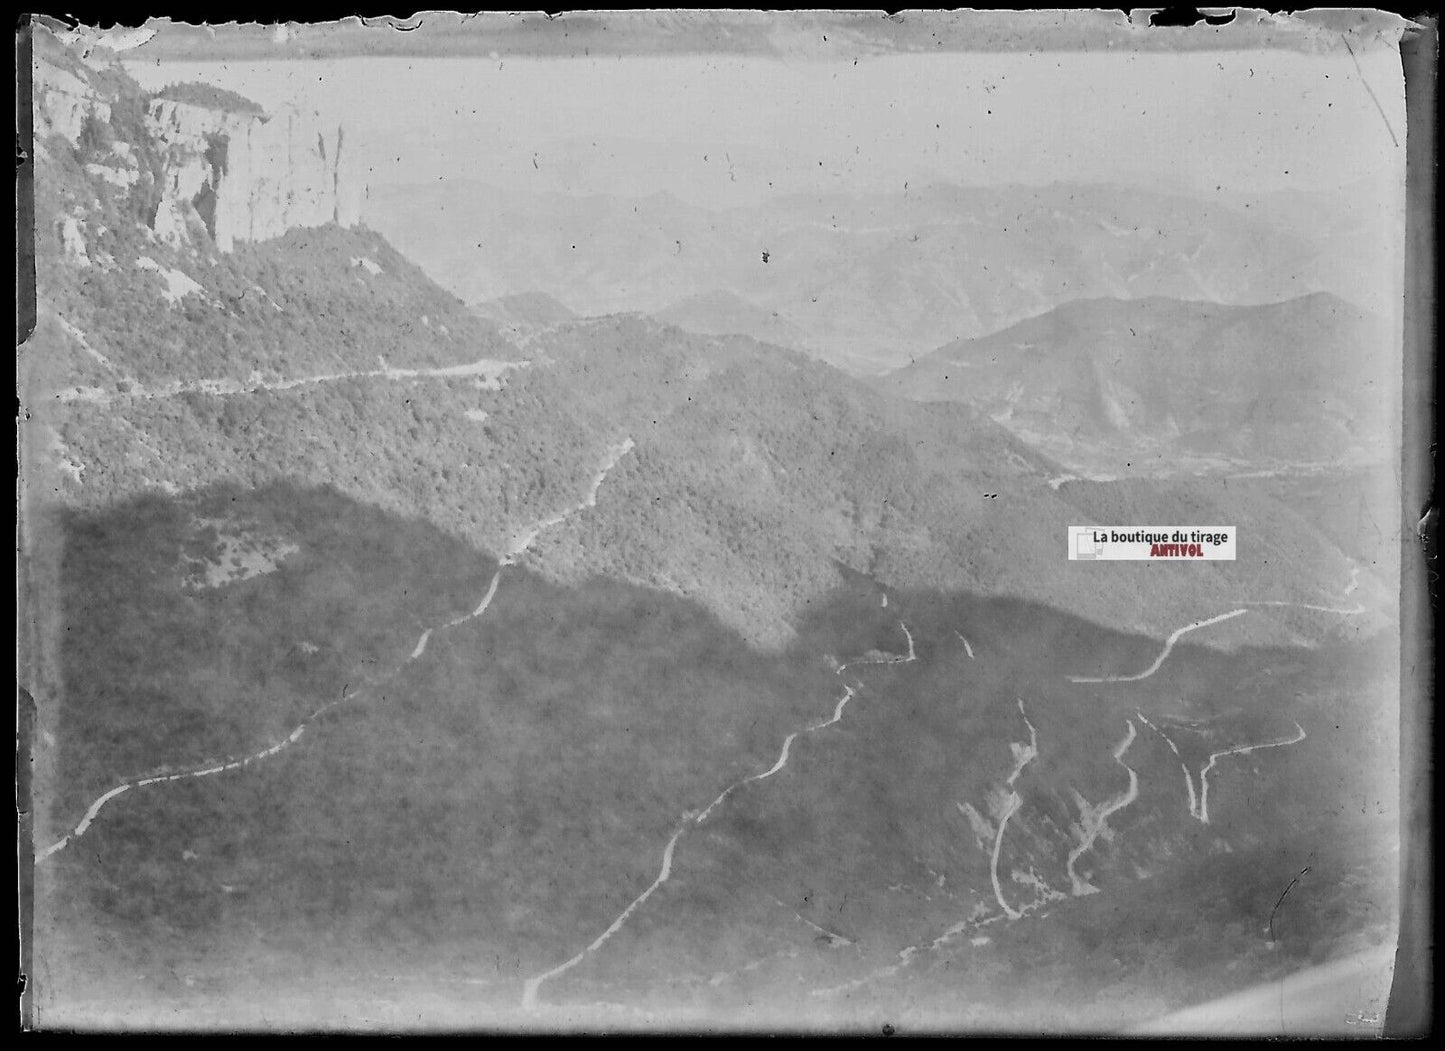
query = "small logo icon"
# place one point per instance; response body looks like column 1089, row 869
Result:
column 1084, row 546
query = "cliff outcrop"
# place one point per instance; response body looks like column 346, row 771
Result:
column 219, row 167
column 251, row 177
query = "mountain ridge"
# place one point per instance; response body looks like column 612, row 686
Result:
column 1301, row 379
column 609, row 674
column 871, row 279
column 333, row 334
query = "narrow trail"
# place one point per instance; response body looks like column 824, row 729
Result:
column 1188, row 778
column 1093, row 819
column 1164, row 654
column 1203, row 814
column 1199, row 803
column 213, row 767
column 1358, row 609
column 524, row 540
column 220, row 767
column 534, row 985
column 1011, row 806
column 1023, row 755
column 529, row 991
column 487, row 368
column 886, row 659
column 782, row 760
column 1244, row 608
column 1007, row 805
column 482, row 606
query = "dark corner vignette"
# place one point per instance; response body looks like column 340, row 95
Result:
column 1411, row 1011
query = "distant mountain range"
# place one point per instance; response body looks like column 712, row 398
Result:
column 753, row 470
column 865, row 282
column 1309, row 379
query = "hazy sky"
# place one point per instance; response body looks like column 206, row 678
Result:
column 733, row 129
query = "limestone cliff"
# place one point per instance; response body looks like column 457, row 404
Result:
column 211, row 171
column 251, row 177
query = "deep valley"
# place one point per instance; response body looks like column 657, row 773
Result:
column 678, row 633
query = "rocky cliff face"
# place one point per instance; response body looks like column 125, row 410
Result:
column 252, row 177
column 211, row 171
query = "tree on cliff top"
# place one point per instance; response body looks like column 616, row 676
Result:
column 209, row 96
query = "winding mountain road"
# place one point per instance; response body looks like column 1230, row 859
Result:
column 1244, row 608
column 1188, row 778
column 891, row 658
column 1354, row 612
column 525, row 538
column 213, row 767
column 1023, row 754
column 1164, row 653
column 532, row 986
column 1203, row 814
column 529, row 991
column 488, row 369
column 1093, row 819
column 1011, row 806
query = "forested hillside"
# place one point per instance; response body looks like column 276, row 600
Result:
column 755, row 471
column 340, row 764
column 323, row 356
column 401, row 660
